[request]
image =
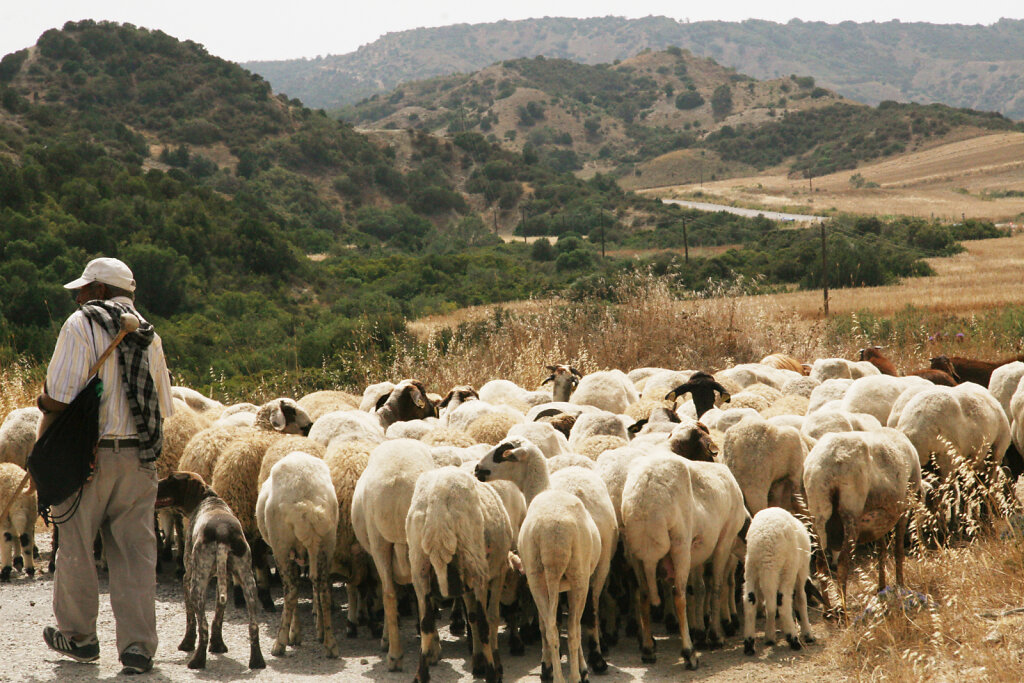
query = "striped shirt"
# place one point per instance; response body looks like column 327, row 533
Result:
column 79, row 345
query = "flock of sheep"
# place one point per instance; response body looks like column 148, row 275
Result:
column 625, row 491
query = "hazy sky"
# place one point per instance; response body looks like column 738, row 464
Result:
column 285, row 29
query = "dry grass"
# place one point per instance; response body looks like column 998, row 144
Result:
column 20, row 383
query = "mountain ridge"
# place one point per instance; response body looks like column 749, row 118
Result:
column 958, row 65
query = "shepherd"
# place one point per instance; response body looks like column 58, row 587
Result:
column 118, row 499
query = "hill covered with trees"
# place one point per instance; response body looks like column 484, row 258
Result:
column 976, row 67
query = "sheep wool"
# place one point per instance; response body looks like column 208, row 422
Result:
column 18, row 435
column 491, row 428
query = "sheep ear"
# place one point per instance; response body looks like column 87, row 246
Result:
column 278, row 420
column 499, row 452
column 552, row 368
column 726, row 397
column 447, row 399
column 575, row 371
column 551, row 378
column 382, row 400
column 636, row 426
column 703, row 427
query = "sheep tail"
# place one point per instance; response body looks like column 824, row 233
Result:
column 311, row 524
column 439, row 539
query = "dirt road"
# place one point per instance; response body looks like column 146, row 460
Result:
column 25, row 608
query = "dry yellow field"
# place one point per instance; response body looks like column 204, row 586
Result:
column 947, row 181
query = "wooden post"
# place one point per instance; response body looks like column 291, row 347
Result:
column 686, row 244
column 824, row 271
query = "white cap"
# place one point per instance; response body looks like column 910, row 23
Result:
column 109, row 271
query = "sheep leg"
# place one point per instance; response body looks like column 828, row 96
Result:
column 420, row 565
column 166, row 525
column 645, row 572
column 319, row 574
column 592, row 631
column 289, row 580
column 243, row 577
column 772, row 599
column 6, row 551
column 786, row 589
column 484, row 665
column 845, row 555
column 695, row 591
column 27, row 544
column 511, row 612
column 680, row 553
column 719, row 565
column 544, row 587
column 179, row 537
column 801, row 605
column 493, row 616
column 578, row 600
column 382, row 552
column 750, row 597
column 352, row 611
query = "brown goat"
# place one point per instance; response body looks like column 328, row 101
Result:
column 971, row 370
column 214, row 544
column 937, row 377
column 873, row 355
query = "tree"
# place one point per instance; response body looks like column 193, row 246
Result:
column 721, row 101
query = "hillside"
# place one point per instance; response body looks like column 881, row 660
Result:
column 977, row 67
column 126, row 142
column 607, row 115
column 620, row 118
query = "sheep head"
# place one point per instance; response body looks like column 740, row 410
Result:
column 564, row 379
column 507, row 461
column 407, row 401
column 692, row 440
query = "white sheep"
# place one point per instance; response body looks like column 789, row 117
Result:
column 747, row 374
column 297, row 514
column 829, row 390
column 826, row 421
column 597, row 423
column 456, row 522
column 203, row 405
column 658, row 521
column 347, row 425
column 520, row 461
column 504, row 392
column 724, row 420
column 18, row 435
column 875, row 395
column 372, row 395
column 800, row 386
column 411, row 429
column 965, row 420
column 17, row 526
column 776, row 568
column 902, row 401
column 662, row 382
column 549, row 440
column 839, row 368
column 859, row 487
column 1003, row 385
column 767, row 461
column 320, row 403
column 1017, row 417
column 560, row 548
column 609, row 390
column 380, row 505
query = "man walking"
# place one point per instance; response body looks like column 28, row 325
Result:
column 118, row 500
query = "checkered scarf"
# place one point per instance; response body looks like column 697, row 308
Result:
column 142, row 395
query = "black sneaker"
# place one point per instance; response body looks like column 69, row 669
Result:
column 135, row 660
column 84, row 652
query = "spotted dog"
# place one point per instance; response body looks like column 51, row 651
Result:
column 214, row 540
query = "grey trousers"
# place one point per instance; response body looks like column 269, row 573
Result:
column 118, row 502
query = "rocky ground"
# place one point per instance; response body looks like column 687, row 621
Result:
column 25, row 608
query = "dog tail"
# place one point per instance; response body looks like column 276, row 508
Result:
column 222, row 575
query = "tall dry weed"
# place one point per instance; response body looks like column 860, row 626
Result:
column 20, row 382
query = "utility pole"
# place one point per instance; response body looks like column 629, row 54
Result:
column 686, row 244
column 824, row 271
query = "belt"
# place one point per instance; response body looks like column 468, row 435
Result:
column 119, row 443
